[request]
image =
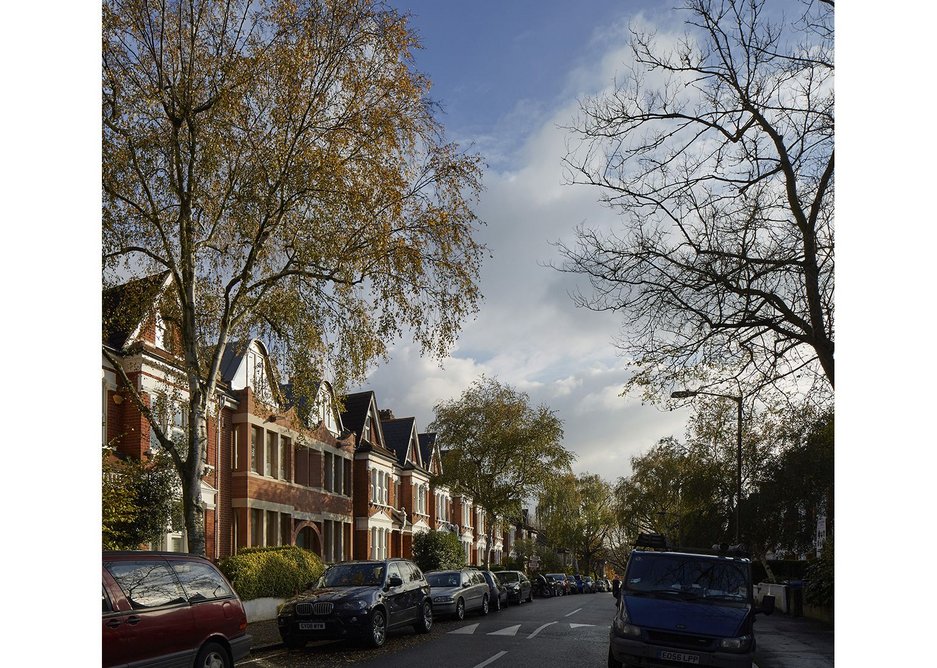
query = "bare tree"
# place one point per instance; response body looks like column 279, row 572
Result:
column 717, row 149
column 279, row 161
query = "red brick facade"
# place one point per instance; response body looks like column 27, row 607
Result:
column 270, row 480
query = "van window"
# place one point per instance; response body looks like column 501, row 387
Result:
column 201, row 581
column 147, row 584
column 689, row 575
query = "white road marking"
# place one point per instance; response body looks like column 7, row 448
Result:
column 573, row 612
column 244, row 663
column 539, row 630
column 468, row 630
column 576, row 626
column 491, row 660
column 509, row 631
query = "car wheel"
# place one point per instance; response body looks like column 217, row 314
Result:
column 484, row 610
column 212, row 655
column 612, row 662
column 378, row 629
column 425, row 623
column 460, row 610
column 294, row 643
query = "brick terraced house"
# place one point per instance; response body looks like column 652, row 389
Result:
column 337, row 476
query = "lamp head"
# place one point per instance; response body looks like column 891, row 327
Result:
column 683, row 394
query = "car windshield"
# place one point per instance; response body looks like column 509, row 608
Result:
column 508, row 577
column 443, row 579
column 353, row 575
column 689, row 576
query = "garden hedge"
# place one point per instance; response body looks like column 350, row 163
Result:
column 278, row 572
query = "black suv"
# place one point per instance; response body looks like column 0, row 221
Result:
column 684, row 606
column 358, row 599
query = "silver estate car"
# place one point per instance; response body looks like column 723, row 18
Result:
column 457, row 592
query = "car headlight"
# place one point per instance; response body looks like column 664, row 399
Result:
column 740, row 644
column 623, row 628
column 442, row 599
column 353, row 606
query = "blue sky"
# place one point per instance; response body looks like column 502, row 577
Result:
column 500, row 67
column 508, row 76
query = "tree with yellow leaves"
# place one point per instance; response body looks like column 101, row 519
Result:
column 281, row 161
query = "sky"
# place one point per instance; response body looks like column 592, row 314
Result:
column 508, row 76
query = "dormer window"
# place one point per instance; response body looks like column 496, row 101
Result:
column 162, row 333
column 257, row 372
column 325, row 412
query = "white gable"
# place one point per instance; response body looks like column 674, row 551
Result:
column 326, row 411
column 253, row 371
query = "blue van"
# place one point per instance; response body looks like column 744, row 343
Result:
column 684, row 607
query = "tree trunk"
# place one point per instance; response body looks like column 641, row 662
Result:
column 191, row 475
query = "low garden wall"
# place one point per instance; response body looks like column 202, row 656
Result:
column 261, row 609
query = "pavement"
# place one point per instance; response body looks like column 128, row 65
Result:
column 264, row 635
column 792, row 642
column 783, row 641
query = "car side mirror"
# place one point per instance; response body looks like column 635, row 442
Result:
column 394, row 581
column 767, row 605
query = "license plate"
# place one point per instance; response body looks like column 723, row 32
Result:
column 312, row 626
column 678, row 656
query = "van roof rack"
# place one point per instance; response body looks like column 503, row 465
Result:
column 731, row 550
column 651, row 541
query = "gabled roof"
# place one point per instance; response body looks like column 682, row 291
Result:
column 356, row 410
column 358, row 407
column 125, row 307
column 233, row 361
column 301, row 402
column 429, row 453
column 398, row 436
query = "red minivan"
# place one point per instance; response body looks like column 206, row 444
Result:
column 168, row 608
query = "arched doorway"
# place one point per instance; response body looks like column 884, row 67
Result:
column 306, row 536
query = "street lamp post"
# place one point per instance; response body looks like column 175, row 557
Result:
column 686, row 394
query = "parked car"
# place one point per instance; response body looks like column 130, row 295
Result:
column 684, row 607
column 358, row 600
column 497, row 592
column 559, row 583
column 541, row 587
column 572, row 587
column 169, row 608
column 602, row 585
column 519, row 587
column 588, row 585
column 459, row 592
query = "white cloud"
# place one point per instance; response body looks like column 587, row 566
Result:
column 528, row 332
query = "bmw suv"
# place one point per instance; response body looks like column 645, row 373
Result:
column 358, row 600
